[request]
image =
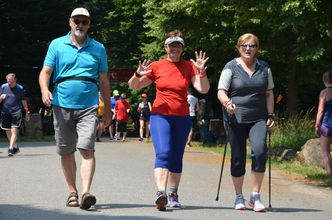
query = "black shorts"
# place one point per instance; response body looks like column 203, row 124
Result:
column 122, row 126
column 144, row 118
column 9, row 121
column 194, row 122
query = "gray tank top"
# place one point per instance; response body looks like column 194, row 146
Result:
column 248, row 93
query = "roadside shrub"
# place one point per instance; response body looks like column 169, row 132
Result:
column 294, row 131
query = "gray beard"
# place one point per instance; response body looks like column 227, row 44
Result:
column 79, row 34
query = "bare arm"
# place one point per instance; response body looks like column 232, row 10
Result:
column 139, row 83
column 270, row 101
column 140, row 106
column 270, row 108
column 44, row 81
column 139, row 79
column 25, row 105
column 26, row 108
column 320, row 112
column 202, row 85
column 226, row 101
column 105, row 90
column 150, row 108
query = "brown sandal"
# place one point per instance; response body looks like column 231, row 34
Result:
column 72, row 200
column 88, row 200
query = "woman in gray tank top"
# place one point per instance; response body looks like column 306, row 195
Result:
column 246, row 92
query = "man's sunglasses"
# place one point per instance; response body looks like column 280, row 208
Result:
column 79, row 21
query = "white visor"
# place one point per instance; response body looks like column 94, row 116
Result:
column 174, row 39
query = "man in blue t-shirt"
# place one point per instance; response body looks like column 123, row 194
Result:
column 79, row 66
column 12, row 98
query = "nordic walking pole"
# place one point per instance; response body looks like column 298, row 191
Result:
column 269, row 133
column 232, row 108
column 222, row 164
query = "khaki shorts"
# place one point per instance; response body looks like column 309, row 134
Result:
column 75, row 128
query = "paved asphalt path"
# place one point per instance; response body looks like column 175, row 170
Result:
column 32, row 187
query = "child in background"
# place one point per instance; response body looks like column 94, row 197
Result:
column 101, row 110
column 323, row 126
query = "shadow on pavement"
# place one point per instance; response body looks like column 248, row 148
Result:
column 292, row 210
column 126, row 206
column 15, row 212
column 120, row 206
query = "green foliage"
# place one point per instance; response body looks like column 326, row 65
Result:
column 293, row 132
column 295, row 35
column 122, row 32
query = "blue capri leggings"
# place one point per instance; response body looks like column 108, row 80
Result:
column 238, row 134
column 169, row 136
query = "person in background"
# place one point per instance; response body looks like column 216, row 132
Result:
column 79, row 67
column 246, row 92
column 46, row 115
column 203, row 121
column 12, row 98
column 122, row 109
column 170, row 122
column 113, row 126
column 193, row 108
column 134, row 114
column 144, row 108
column 323, row 125
column 100, row 113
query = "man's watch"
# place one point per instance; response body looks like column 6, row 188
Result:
column 270, row 116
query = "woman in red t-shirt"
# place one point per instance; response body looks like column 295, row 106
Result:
column 170, row 122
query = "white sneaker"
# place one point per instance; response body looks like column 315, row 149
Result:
column 255, row 202
column 239, row 203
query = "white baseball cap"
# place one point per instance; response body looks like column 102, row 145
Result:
column 80, row 11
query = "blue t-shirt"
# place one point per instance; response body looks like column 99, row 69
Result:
column 113, row 101
column 69, row 61
column 12, row 104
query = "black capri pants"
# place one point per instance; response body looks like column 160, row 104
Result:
column 238, row 134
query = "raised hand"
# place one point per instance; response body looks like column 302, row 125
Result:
column 142, row 68
column 200, row 61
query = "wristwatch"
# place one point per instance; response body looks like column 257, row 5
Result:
column 270, row 116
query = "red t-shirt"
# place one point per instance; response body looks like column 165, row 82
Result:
column 172, row 80
column 121, row 107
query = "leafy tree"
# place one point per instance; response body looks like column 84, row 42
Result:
column 294, row 34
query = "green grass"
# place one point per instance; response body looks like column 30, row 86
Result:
column 313, row 174
column 310, row 173
column 293, row 132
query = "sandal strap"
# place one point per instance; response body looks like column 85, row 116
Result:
column 73, row 194
column 73, row 197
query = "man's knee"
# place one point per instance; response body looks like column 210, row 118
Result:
column 87, row 154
